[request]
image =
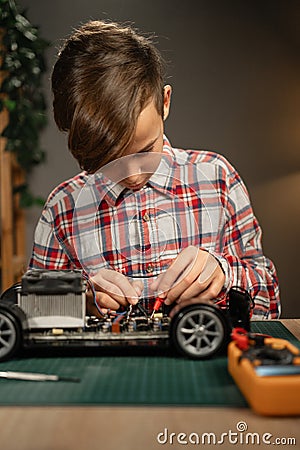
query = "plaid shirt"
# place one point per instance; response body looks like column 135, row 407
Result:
column 194, row 198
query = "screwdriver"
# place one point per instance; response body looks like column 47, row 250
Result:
column 29, row 376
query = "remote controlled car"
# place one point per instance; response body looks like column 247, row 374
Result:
column 48, row 308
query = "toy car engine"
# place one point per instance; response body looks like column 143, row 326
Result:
column 53, row 298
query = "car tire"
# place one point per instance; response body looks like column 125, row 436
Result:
column 199, row 331
column 10, row 335
column 10, row 295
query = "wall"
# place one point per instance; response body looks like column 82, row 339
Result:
column 235, row 70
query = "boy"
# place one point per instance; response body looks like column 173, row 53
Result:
column 143, row 219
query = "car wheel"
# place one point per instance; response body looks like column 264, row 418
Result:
column 199, row 331
column 10, row 295
column 10, row 335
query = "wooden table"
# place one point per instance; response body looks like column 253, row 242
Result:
column 136, row 428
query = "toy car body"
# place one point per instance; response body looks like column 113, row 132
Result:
column 48, row 308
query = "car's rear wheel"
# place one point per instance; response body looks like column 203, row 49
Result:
column 199, row 331
column 10, row 335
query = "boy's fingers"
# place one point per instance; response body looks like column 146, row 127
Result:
column 103, row 300
column 179, row 269
column 208, row 269
column 106, row 301
column 202, row 282
column 192, row 291
column 166, row 280
column 116, row 285
column 209, row 290
column 188, row 281
column 101, row 280
column 138, row 287
column 214, row 288
column 119, row 280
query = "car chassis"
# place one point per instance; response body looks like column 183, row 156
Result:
column 48, row 308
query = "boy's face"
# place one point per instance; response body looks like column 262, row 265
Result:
column 143, row 153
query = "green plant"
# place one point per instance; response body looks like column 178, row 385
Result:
column 22, row 65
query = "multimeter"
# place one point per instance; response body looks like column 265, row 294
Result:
column 267, row 372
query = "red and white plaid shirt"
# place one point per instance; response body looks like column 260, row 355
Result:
column 194, row 198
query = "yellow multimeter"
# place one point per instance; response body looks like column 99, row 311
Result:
column 267, row 372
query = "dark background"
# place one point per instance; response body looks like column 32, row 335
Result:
column 235, row 71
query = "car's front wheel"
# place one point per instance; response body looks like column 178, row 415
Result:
column 199, row 331
column 10, row 335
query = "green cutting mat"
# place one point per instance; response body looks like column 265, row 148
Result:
column 117, row 377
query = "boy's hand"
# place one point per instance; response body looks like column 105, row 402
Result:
column 113, row 290
column 195, row 276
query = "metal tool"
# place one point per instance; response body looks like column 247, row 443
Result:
column 29, row 376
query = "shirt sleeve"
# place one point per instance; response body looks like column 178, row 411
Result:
column 47, row 251
column 242, row 259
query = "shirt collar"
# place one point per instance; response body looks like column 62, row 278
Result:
column 110, row 191
column 162, row 176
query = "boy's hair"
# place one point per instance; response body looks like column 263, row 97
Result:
column 104, row 77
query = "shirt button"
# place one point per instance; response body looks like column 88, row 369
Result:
column 146, row 217
column 150, row 268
